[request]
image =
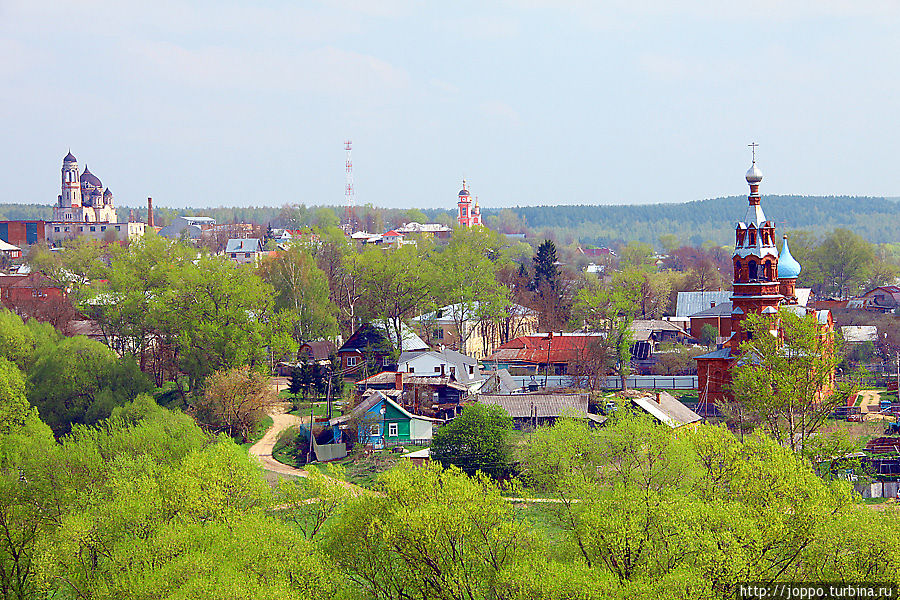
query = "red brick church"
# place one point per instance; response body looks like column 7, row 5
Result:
column 763, row 281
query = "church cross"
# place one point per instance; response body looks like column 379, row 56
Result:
column 753, row 148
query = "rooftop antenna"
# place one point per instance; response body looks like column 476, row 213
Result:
column 348, row 190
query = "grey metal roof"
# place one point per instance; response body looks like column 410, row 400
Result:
column 689, row 303
column 243, row 245
column 720, row 353
column 451, row 358
column 519, row 406
column 722, row 309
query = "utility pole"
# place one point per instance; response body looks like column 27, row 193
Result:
column 328, row 393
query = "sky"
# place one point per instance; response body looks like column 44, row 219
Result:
column 534, row 102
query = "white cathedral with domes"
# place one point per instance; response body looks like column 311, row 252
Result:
column 83, row 199
column 85, row 209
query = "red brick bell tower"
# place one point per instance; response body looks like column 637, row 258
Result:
column 756, row 289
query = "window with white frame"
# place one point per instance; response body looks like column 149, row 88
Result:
column 375, row 430
column 392, row 430
column 351, row 361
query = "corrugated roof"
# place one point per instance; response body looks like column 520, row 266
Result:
column 519, row 406
column 668, row 410
column 689, row 303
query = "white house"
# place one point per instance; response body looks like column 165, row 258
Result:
column 244, row 250
column 464, row 368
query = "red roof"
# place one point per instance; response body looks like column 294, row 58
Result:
column 541, row 348
column 391, row 233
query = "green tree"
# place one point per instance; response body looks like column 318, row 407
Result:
column 438, row 534
column 610, row 310
column 468, row 281
column 844, row 260
column 14, row 407
column 546, row 273
column 637, row 255
column 788, row 380
column 709, row 334
column 219, row 315
column 396, row 285
column 301, row 288
column 477, row 440
column 130, row 307
column 78, row 380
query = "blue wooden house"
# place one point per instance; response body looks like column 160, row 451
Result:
column 383, row 422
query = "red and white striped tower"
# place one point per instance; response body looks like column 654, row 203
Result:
column 350, row 218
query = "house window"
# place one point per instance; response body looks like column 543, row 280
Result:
column 392, row 430
column 351, row 361
column 411, row 369
column 234, row 255
column 56, row 229
column 118, row 228
column 437, row 369
column 375, row 430
column 103, row 228
column 438, row 334
column 453, row 371
column 471, row 370
column 93, row 228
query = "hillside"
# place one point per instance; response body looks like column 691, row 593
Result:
column 876, row 219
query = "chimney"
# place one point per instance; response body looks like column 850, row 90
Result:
column 150, row 212
column 398, row 381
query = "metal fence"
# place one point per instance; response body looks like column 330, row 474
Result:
column 651, row 382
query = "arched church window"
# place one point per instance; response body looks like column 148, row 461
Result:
column 737, row 270
column 752, row 270
column 752, row 237
column 769, row 270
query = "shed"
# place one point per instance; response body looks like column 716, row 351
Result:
column 538, row 409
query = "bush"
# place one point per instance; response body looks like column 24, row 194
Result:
column 477, row 440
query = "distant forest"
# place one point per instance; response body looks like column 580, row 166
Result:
column 875, row 219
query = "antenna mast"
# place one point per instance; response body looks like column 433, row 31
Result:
column 348, row 190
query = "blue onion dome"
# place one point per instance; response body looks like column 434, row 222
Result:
column 107, row 193
column 788, row 267
column 463, row 192
column 70, row 158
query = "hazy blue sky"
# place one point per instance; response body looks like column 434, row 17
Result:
column 213, row 103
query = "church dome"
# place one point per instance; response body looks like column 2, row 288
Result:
column 463, row 192
column 89, row 178
column 70, row 158
column 107, row 193
column 754, row 175
column 788, row 267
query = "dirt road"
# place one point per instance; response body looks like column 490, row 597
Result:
column 262, row 449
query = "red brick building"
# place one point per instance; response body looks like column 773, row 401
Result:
column 763, row 281
column 36, row 296
column 22, row 233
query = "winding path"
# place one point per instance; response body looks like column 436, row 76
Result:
column 262, row 449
